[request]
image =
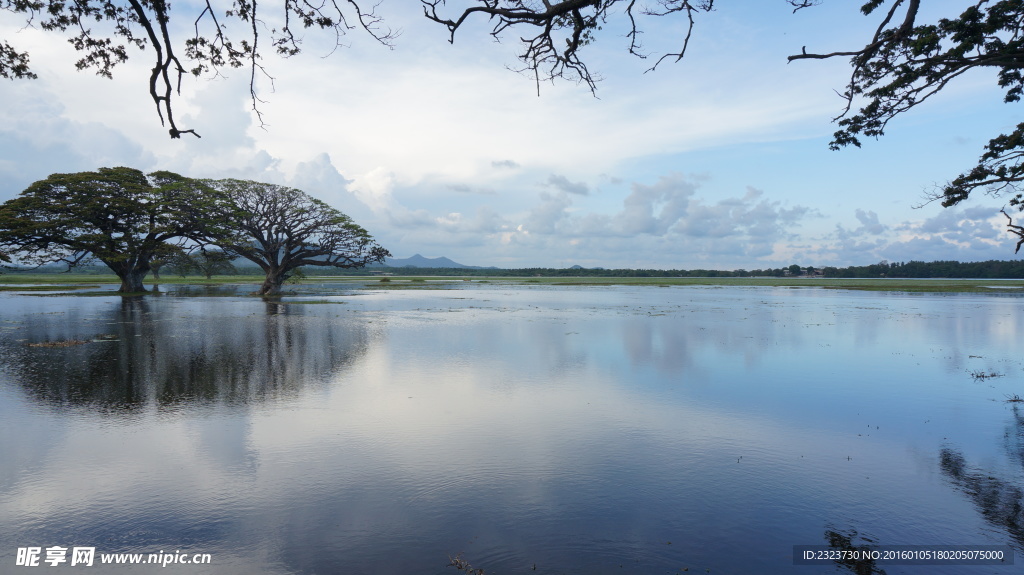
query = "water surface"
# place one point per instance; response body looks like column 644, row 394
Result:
column 583, row 429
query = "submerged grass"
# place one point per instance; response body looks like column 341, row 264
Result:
column 46, row 287
column 64, row 343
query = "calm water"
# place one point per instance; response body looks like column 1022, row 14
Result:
column 576, row 430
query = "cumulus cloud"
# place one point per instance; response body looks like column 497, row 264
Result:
column 869, row 226
column 869, row 222
column 751, row 215
column 547, row 217
column 653, row 209
column 562, row 183
column 320, row 175
column 965, row 234
column 467, row 189
column 373, row 188
column 38, row 137
column 320, row 178
column 664, row 218
column 971, row 221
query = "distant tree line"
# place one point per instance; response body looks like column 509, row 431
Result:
column 912, row 269
column 992, row 269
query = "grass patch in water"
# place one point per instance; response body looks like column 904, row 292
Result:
column 47, row 287
column 64, row 343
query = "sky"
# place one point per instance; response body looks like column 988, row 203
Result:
column 719, row 161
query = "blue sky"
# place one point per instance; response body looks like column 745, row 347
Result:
column 720, row 161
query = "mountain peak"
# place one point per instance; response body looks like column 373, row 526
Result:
column 418, row 261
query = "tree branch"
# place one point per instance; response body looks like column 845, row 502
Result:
column 160, row 72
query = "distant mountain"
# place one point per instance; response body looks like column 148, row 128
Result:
column 418, row 261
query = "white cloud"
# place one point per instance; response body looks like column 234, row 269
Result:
column 562, row 183
column 437, row 148
column 373, row 188
column 965, row 234
column 546, row 217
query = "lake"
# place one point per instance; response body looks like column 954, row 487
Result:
column 515, row 428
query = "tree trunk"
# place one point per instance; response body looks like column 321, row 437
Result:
column 272, row 283
column 131, row 281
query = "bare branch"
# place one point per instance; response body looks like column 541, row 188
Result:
column 1016, row 230
column 210, row 48
column 558, row 31
column 161, row 69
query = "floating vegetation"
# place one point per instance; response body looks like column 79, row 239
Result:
column 65, row 343
column 411, row 285
column 47, row 287
column 982, row 376
column 89, row 293
column 462, row 565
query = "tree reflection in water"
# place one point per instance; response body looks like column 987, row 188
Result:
column 844, row 541
column 1014, row 437
column 147, row 353
column 1000, row 501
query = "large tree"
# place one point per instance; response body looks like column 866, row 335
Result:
column 281, row 229
column 119, row 216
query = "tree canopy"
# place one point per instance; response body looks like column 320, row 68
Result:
column 104, row 30
column 119, row 216
column 129, row 220
column 907, row 62
column 240, row 33
column 280, row 229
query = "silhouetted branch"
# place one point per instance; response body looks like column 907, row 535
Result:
column 1017, row 230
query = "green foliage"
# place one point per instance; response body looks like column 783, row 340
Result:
column 118, row 216
column 163, row 256
column 225, row 35
column 280, row 229
column 907, row 62
column 210, row 262
column 297, row 276
column 202, row 261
